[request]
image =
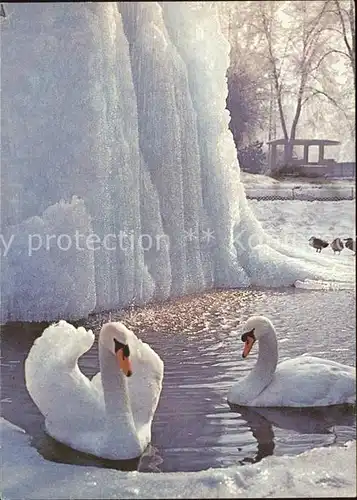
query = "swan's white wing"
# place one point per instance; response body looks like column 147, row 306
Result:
column 56, row 384
column 146, row 382
column 309, row 381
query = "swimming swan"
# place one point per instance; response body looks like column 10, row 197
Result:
column 109, row 416
column 304, row 381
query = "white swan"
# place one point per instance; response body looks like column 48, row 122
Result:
column 109, row 416
column 304, row 381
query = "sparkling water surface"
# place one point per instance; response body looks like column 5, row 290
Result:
column 194, row 428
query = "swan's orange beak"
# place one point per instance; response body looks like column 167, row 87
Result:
column 124, row 363
column 247, row 346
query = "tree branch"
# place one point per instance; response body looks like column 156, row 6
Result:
column 332, row 51
column 316, row 92
column 343, row 26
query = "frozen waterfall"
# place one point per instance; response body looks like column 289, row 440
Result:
column 120, row 182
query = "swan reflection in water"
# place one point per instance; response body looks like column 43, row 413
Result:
column 260, row 420
column 54, row 451
column 314, row 420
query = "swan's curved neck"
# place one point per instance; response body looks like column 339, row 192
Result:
column 115, row 388
column 119, row 417
column 264, row 369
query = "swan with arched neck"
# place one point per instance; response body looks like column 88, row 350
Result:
column 304, row 381
column 109, row 416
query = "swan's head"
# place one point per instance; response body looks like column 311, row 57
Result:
column 254, row 329
column 114, row 336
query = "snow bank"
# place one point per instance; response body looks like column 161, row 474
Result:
column 323, row 285
column 322, row 472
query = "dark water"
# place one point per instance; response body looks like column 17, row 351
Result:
column 194, row 427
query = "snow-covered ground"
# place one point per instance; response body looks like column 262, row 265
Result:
column 264, row 187
column 294, row 222
column 321, row 472
column 287, row 226
column 251, row 180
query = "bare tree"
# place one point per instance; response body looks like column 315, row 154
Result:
column 340, row 17
column 293, row 52
column 246, row 80
column 345, row 13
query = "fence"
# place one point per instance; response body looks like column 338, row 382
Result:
column 309, row 193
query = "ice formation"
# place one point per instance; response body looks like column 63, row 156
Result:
column 120, row 181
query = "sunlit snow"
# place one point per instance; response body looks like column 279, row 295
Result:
column 322, row 472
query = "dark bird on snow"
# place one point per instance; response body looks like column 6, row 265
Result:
column 317, row 243
column 337, row 245
column 350, row 244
